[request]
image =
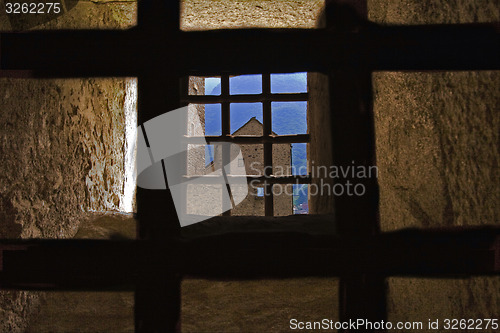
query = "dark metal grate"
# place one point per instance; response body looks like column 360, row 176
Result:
column 159, row 54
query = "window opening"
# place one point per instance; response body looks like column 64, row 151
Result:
column 266, row 115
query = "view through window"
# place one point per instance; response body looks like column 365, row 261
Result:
column 266, row 115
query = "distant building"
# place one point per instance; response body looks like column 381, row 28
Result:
column 253, row 160
column 196, row 153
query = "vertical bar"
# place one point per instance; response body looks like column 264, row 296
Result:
column 268, row 147
column 226, row 128
column 184, row 92
column 158, row 15
column 226, row 118
column 157, row 294
column 353, row 139
column 362, row 296
column 156, row 212
column 353, row 146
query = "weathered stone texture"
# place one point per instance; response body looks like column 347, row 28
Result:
column 437, row 136
column 226, row 14
column 16, row 309
column 319, row 122
column 62, row 143
column 433, row 11
column 437, row 151
column 82, row 14
column 196, row 127
column 62, row 147
column 437, row 140
column 411, row 299
column 256, row 305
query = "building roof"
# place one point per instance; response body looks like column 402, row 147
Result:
column 251, row 120
column 210, row 164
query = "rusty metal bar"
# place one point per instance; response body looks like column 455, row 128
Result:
column 226, row 131
column 81, row 265
column 428, row 47
column 293, row 138
column 215, row 179
column 246, row 98
column 225, row 106
column 268, row 146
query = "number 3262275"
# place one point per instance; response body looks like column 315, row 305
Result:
column 32, row 7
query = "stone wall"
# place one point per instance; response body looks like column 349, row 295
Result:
column 81, row 14
column 318, row 117
column 62, row 144
column 196, row 127
column 437, row 152
column 62, row 147
column 433, row 11
column 437, row 140
column 227, row 14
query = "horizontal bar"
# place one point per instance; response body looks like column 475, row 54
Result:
column 425, row 47
column 276, row 139
column 68, row 264
column 218, row 249
column 375, row 47
column 250, row 247
column 23, row 74
column 451, row 47
column 208, row 99
column 64, row 56
column 257, row 51
column 214, row 179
